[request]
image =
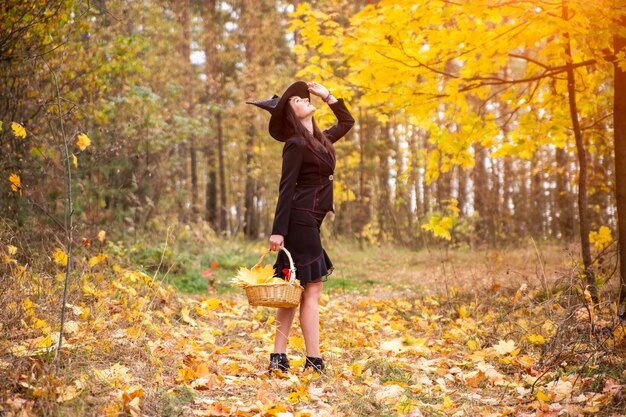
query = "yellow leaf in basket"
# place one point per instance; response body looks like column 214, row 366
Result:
column 254, row 276
column 263, row 273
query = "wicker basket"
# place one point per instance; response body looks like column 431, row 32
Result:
column 283, row 295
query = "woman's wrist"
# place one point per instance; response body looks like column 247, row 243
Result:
column 327, row 98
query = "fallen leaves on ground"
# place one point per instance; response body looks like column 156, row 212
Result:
column 134, row 346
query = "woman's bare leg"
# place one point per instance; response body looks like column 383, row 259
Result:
column 310, row 319
column 284, row 320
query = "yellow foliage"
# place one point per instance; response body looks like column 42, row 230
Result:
column 447, row 402
column 440, row 224
column 83, row 141
column 543, row 397
column 67, row 393
column 343, row 193
column 602, row 238
column 440, row 62
column 18, row 130
column 184, row 315
column 297, row 343
column 504, row 348
column 131, row 396
column 60, row 257
column 95, row 260
column 536, row 339
column 116, row 374
column 16, row 183
column 256, row 276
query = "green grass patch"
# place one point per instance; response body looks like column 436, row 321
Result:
column 172, row 403
column 198, row 264
column 386, row 371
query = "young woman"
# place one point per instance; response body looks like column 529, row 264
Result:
column 305, row 197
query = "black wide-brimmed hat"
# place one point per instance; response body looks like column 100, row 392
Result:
column 276, row 107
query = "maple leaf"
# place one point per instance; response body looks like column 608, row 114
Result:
column 83, row 141
column 60, row 257
column 102, row 235
column 184, row 315
column 67, row 393
column 255, row 276
column 395, row 345
column 474, row 378
column 543, row 397
column 131, row 396
column 472, row 344
column 390, row 394
column 464, row 312
column 16, row 183
column 18, row 130
column 447, row 402
column 208, row 382
column 536, row 339
column 95, row 260
column 504, row 348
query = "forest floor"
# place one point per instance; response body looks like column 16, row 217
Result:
column 404, row 333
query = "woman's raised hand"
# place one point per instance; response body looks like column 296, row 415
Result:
column 317, row 89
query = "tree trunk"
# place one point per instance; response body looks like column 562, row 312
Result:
column 444, row 188
column 252, row 48
column 212, row 73
column 222, row 174
column 183, row 16
column 481, row 191
column 493, row 202
column 506, row 212
column 536, row 210
column 363, row 217
column 426, row 188
column 383, row 182
column 250, row 226
column 401, row 197
column 521, row 198
column 461, row 195
column 619, row 126
column 193, row 160
column 411, row 180
column 583, row 210
column 564, row 203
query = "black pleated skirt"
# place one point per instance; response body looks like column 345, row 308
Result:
column 304, row 244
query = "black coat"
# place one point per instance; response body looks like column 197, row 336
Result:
column 306, row 182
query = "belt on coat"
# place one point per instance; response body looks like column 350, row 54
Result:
column 330, row 178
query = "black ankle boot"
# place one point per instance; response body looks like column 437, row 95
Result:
column 278, row 361
column 316, row 363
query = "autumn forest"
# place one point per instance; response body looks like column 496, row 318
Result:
column 479, row 206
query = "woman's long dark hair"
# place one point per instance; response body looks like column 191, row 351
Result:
column 316, row 141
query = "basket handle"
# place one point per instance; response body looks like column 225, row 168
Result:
column 292, row 266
